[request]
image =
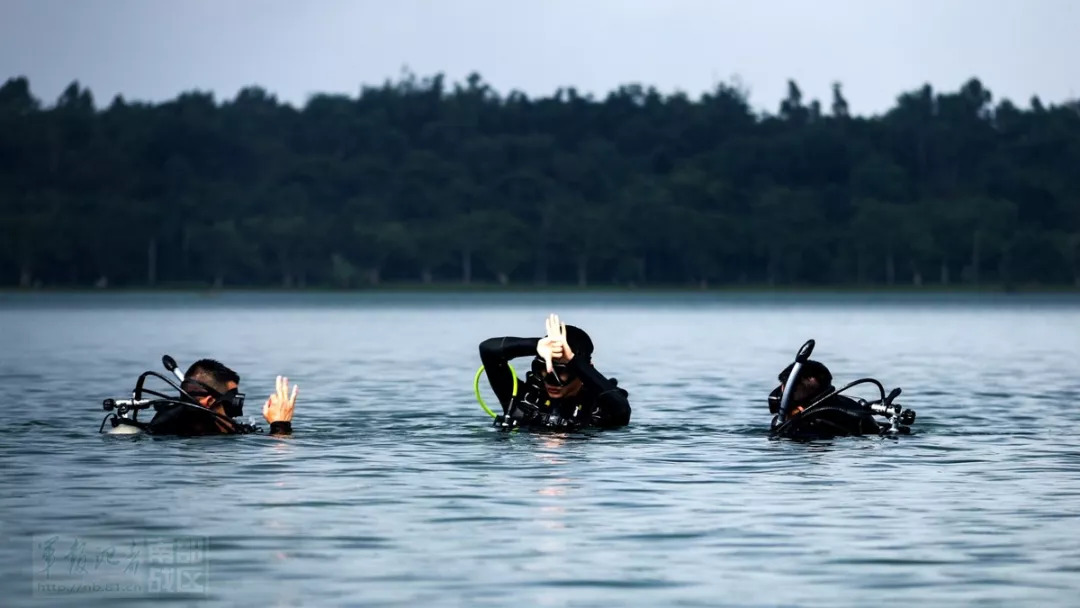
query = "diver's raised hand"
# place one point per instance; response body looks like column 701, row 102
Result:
column 553, row 345
column 279, row 406
column 545, row 350
column 560, row 350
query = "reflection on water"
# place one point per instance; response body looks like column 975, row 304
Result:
column 395, row 489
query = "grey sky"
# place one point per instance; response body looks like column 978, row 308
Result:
column 155, row 49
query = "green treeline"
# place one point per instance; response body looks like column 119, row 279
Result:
column 422, row 181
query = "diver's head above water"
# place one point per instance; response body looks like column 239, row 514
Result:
column 562, row 345
column 813, row 381
column 211, row 384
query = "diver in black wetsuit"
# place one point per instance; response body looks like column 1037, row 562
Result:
column 837, row 416
column 214, row 387
column 562, row 391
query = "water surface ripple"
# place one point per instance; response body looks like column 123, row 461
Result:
column 394, row 489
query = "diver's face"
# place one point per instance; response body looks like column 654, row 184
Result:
column 569, row 389
column 566, row 386
column 212, row 404
column 217, row 407
column 806, row 389
column 205, row 399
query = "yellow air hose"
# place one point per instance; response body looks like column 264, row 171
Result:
column 476, row 387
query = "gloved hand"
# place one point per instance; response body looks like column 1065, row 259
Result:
column 553, row 346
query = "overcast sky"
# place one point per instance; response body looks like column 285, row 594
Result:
column 155, row 49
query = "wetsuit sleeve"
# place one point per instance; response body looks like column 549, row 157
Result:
column 281, row 427
column 612, row 400
column 495, row 354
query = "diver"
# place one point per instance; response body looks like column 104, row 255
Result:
column 562, row 390
column 211, row 386
column 808, row 406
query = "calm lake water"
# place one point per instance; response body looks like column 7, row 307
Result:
column 395, row 490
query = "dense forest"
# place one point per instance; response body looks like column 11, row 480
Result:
column 423, row 181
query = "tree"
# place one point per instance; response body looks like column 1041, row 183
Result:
column 419, row 179
column 839, row 104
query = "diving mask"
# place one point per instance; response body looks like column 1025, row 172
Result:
column 561, row 376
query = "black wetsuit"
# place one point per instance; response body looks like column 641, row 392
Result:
column 599, row 403
column 837, row 416
column 185, row 421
